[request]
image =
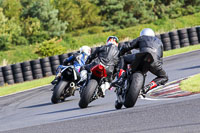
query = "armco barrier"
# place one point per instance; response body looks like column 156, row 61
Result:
column 44, row 67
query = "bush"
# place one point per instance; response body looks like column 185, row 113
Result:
column 50, row 48
column 38, row 37
column 95, row 30
column 4, row 42
column 19, row 40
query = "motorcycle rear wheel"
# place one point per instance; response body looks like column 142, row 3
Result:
column 87, row 93
column 134, row 89
column 58, row 91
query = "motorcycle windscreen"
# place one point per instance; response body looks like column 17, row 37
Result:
column 99, row 71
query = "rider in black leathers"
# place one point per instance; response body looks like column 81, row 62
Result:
column 107, row 55
column 147, row 42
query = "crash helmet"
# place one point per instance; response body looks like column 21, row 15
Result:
column 147, row 32
column 86, row 50
column 112, row 40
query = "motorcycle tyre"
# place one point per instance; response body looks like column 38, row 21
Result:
column 57, row 92
column 134, row 89
column 87, row 93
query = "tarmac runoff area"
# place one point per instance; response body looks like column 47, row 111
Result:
column 170, row 90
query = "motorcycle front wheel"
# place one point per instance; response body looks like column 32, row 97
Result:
column 58, row 91
column 87, row 93
column 134, row 89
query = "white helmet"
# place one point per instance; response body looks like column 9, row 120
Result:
column 147, row 32
column 86, row 50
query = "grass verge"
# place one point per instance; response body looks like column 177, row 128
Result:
column 9, row 89
column 191, row 84
column 181, row 50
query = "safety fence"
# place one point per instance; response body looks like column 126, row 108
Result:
column 39, row 68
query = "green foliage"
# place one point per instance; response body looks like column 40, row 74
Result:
column 95, row 30
column 33, row 31
column 78, row 13
column 71, row 43
column 50, row 48
column 4, row 41
column 44, row 11
column 12, row 8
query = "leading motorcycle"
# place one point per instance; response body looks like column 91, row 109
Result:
column 133, row 83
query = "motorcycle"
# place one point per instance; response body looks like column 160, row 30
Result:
column 133, row 83
column 95, row 86
column 67, row 84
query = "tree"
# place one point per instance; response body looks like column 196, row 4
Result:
column 12, row 8
column 69, row 12
column 116, row 14
column 78, row 13
column 44, row 11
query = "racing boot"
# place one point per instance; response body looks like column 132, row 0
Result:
column 149, row 87
column 120, row 78
column 55, row 81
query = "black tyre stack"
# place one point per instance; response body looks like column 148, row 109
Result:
column 198, row 33
column 63, row 57
column 183, row 37
column 166, row 41
column 193, row 37
column 17, row 73
column 1, row 77
column 27, row 71
column 8, row 75
column 55, row 62
column 36, row 69
column 174, row 39
column 46, row 67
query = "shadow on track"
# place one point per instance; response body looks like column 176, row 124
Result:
column 38, row 105
column 194, row 67
column 46, row 104
column 89, row 114
column 65, row 110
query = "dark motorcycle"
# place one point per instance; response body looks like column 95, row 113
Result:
column 97, row 81
column 66, row 85
column 128, row 92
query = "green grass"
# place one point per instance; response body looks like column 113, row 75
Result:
column 181, row 50
column 9, row 89
column 191, row 84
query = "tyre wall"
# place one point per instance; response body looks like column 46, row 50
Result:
column 39, row 68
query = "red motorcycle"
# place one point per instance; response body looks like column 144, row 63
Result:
column 96, row 85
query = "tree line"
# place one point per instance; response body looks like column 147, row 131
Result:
column 27, row 22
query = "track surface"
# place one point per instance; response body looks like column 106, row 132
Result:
column 32, row 111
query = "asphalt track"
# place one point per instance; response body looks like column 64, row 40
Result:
column 32, row 111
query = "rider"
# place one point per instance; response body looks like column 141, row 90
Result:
column 147, row 42
column 107, row 55
column 78, row 59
